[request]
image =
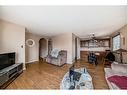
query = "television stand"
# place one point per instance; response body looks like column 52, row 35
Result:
column 8, row 74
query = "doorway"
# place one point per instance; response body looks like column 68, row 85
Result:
column 43, row 48
column 49, row 46
column 76, row 57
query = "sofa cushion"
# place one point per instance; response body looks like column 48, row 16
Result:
column 119, row 68
column 55, row 53
column 120, row 81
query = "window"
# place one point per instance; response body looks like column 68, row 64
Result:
column 116, row 42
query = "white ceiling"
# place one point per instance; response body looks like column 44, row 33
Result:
column 54, row 20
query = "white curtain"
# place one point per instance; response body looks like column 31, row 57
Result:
column 116, row 42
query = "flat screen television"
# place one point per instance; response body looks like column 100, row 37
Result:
column 7, row 59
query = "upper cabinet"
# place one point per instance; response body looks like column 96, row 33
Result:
column 96, row 43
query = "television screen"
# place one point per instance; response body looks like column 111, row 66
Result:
column 6, row 60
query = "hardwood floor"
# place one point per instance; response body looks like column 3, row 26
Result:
column 41, row 75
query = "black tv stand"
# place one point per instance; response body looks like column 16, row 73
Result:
column 7, row 75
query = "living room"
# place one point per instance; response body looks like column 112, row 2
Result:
column 48, row 41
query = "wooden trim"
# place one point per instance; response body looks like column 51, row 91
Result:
column 116, row 34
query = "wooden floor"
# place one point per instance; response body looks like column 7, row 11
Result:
column 41, row 75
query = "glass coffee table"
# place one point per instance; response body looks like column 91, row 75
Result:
column 85, row 81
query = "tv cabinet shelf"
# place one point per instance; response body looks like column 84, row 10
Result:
column 8, row 74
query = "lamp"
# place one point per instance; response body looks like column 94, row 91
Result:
column 93, row 39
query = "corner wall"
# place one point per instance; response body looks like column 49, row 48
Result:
column 12, row 39
column 123, row 42
column 64, row 42
column 32, row 53
column 123, row 35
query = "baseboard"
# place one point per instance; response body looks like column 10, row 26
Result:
column 42, row 57
column 32, row 61
column 78, row 59
column 24, row 67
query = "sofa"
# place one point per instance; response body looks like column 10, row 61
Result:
column 116, row 76
column 57, row 57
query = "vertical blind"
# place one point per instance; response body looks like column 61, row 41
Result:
column 116, row 42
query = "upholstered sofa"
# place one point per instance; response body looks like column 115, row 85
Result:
column 57, row 57
column 117, row 73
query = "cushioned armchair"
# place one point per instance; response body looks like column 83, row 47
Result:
column 57, row 57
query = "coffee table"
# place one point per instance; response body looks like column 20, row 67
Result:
column 85, row 81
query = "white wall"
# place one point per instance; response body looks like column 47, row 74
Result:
column 32, row 53
column 12, row 37
column 64, row 42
